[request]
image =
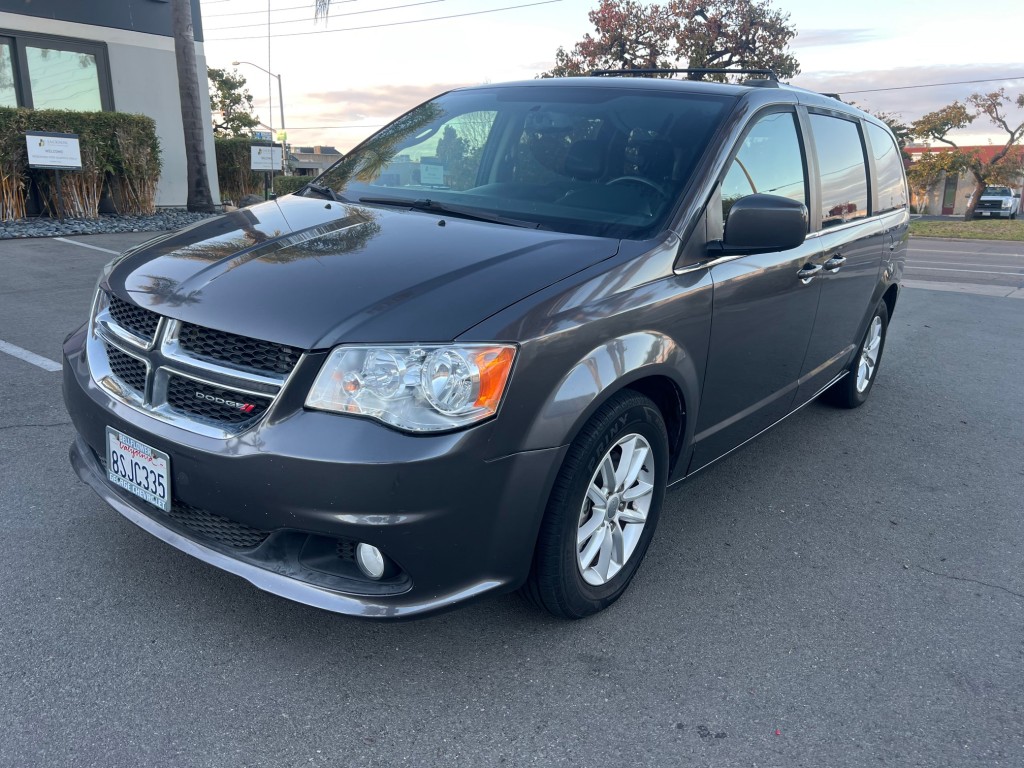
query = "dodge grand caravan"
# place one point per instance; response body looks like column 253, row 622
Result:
column 473, row 354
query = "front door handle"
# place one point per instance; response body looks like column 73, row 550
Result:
column 833, row 264
column 808, row 272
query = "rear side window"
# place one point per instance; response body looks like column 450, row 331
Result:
column 769, row 161
column 892, row 192
column 844, row 176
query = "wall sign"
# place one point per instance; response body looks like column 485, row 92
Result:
column 59, row 151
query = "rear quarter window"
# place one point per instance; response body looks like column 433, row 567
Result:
column 892, row 191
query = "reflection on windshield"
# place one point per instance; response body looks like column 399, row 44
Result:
column 374, row 155
column 595, row 160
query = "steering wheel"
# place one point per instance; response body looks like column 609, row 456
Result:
column 637, row 180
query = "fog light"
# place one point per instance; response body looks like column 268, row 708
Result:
column 370, row 560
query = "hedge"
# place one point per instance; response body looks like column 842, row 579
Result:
column 120, row 154
column 233, row 161
column 285, row 185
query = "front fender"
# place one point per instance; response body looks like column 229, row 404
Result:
column 605, row 370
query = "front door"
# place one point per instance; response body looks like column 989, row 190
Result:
column 949, row 194
column 763, row 309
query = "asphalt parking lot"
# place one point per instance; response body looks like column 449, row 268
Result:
column 847, row 591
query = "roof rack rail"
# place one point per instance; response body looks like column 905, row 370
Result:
column 769, row 74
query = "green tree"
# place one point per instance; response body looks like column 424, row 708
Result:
column 199, row 195
column 1003, row 167
column 739, row 34
column 903, row 132
column 230, row 101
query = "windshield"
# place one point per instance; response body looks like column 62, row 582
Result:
column 997, row 191
column 587, row 160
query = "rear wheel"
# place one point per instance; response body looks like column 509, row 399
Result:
column 603, row 509
column 853, row 389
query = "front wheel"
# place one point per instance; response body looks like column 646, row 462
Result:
column 603, row 509
column 853, row 389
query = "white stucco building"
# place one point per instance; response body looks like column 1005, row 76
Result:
column 115, row 55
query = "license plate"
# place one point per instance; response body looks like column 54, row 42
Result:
column 139, row 468
column 986, row 213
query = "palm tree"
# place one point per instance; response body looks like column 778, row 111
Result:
column 199, row 197
column 322, row 8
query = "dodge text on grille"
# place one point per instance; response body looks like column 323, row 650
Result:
column 243, row 407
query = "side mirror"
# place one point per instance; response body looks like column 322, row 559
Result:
column 762, row 224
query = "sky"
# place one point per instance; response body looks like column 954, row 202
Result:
column 366, row 64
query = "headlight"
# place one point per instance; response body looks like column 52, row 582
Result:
column 1007, row 203
column 417, row 388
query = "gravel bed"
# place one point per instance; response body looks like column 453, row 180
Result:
column 172, row 218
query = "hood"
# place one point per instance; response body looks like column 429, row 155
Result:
column 311, row 273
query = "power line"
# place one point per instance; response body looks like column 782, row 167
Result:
column 391, row 24
column 304, row 6
column 306, row 20
column 333, row 127
column 934, row 85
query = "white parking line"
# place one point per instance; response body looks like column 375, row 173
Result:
column 86, row 245
column 960, row 264
column 1001, row 291
column 925, row 249
column 29, row 357
column 974, row 271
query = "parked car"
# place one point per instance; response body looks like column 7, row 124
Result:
column 998, row 202
column 472, row 356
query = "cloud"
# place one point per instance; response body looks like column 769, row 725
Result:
column 810, row 38
column 870, row 89
column 384, row 102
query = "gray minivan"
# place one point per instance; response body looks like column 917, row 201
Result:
column 472, row 355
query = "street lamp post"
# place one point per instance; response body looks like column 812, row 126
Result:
column 280, row 92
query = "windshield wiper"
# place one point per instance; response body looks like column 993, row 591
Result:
column 323, row 191
column 433, row 206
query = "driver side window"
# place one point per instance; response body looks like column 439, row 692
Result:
column 769, row 161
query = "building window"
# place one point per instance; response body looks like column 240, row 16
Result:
column 63, row 79
column 44, row 72
column 8, row 96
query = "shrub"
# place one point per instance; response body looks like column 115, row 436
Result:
column 119, row 151
column 233, row 160
column 285, row 185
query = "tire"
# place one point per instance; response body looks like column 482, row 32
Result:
column 585, row 555
column 853, row 389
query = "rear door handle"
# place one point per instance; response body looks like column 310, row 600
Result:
column 833, row 264
column 809, row 272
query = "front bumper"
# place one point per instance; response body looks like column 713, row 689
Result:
column 457, row 522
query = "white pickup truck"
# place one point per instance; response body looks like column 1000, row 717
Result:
column 998, row 202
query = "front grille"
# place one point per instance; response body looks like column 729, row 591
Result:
column 139, row 321
column 174, row 378
column 989, row 205
column 216, row 528
column 204, row 401
column 127, row 369
column 239, row 351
